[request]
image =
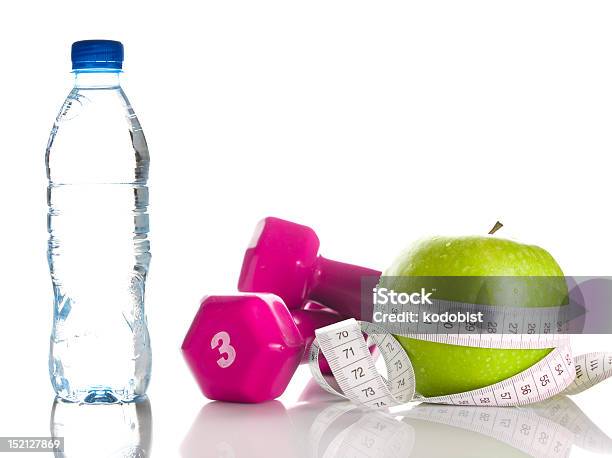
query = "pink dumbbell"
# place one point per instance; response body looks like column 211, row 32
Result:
column 311, row 305
column 245, row 348
column 307, row 321
column 283, row 259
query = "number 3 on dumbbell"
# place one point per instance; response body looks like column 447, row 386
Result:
column 221, row 341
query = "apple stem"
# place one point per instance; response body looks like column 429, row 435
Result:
column 496, row 228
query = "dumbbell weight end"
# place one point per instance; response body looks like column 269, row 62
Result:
column 344, row 287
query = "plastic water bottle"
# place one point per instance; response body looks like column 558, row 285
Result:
column 97, row 166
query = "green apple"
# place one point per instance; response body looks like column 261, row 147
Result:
column 486, row 267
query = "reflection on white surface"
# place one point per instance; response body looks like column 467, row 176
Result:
column 103, row 430
column 373, row 434
column 227, row 430
column 547, row 429
column 318, row 427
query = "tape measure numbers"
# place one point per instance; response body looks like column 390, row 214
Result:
column 353, row 367
column 499, row 326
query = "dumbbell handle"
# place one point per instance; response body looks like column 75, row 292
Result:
column 339, row 286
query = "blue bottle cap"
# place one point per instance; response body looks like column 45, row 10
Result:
column 97, row 55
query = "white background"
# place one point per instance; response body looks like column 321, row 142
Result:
column 373, row 122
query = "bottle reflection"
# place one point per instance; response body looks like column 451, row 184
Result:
column 120, row 430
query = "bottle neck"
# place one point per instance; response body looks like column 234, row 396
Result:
column 96, row 80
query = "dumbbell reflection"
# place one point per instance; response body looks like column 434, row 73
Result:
column 226, row 430
column 320, row 426
column 269, row 430
column 110, row 430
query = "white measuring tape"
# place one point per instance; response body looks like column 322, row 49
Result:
column 499, row 327
column 353, row 367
